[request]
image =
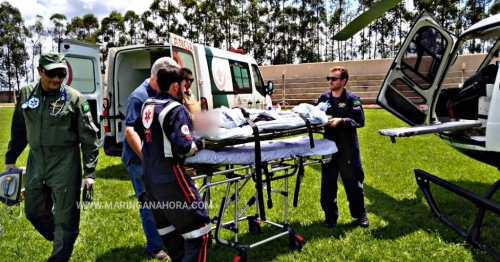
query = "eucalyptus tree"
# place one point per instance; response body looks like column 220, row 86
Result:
column 111, row 34
column 58, row 28
column 305, row 21
column 287, row 31
column 401, row 17
column 231, row 21
column 147, row 28
column 274, row 20
column 212, row 32
column 334, row 25
column 320, row 21
column 256, row 41
column 13, row 53
column 365, row 34
column 38, row 34
column 193, row 24
column 132, row 27
column 163, row 14
column 83, row 28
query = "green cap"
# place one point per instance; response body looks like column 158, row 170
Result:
column 52, row 60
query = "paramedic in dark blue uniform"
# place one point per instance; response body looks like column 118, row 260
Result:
column 347, row 113
column 179, row 212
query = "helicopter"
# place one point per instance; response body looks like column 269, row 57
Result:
column 465, row 117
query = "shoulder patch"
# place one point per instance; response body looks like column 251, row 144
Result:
column 356, row 102
column 85, row 107
column 185, row 130
column 147, row 116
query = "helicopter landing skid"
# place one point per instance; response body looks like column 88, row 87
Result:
column 483, row 203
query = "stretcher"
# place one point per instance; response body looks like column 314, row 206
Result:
column 264, row 157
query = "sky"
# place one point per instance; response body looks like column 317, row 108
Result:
column 71, row 8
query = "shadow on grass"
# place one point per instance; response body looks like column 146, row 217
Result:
column 132, row 253
column 276, row 247
column 407, row 216
column 117, row 171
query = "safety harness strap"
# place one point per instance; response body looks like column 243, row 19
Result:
column 167, row 147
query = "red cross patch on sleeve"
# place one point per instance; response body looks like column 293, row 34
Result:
column 185, row 130
column 147, row 115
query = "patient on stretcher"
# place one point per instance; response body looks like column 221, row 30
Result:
column 225, row 123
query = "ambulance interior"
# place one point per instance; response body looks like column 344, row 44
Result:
column 132, row 67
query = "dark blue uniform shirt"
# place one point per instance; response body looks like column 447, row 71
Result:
column 347, row 106
column 134, row 105
column 167, row 136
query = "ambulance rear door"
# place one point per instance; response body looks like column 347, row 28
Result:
column 84, row 73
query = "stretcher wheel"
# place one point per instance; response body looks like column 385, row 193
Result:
column 296, row 242
column 240, row 258
column 254, row 226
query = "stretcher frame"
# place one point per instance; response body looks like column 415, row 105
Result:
column 255, row 171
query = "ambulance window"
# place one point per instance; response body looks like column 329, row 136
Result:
column 258, row 81
column 81, row 74
column 185, row 59
column 240, row 73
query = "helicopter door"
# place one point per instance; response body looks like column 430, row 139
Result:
column 410, row 84
column 409, row 87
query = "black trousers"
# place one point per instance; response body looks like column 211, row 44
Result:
column 347, row 163
column 180, row 216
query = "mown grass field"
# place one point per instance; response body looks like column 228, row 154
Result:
column 402, row 227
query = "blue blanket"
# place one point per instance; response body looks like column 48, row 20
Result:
column 270, row 150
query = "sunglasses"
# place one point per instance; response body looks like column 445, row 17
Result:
column 333, row 78
column 189, row 80
column 54, row 73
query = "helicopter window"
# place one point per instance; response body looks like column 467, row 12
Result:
column 423, row 56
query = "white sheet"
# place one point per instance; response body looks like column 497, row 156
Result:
column 233, row 125
column 270, row 150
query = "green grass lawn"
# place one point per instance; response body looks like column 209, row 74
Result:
column 402, row 227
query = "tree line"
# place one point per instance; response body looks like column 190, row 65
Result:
column 273, row 31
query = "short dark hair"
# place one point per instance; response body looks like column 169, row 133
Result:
column 167, row 76
column 187, row 71
column 344, row 73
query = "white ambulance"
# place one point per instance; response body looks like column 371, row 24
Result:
column 223, row 78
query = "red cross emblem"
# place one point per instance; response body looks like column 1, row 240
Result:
column 147, row 116
column 219, row 74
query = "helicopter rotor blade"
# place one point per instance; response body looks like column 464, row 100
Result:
column 363, row 20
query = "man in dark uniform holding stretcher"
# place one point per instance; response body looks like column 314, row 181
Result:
column 347, row 112
column 165, row 128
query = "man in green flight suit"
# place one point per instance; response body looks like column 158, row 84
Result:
column 55, row 120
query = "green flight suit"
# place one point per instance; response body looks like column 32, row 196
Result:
column 54, row 169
